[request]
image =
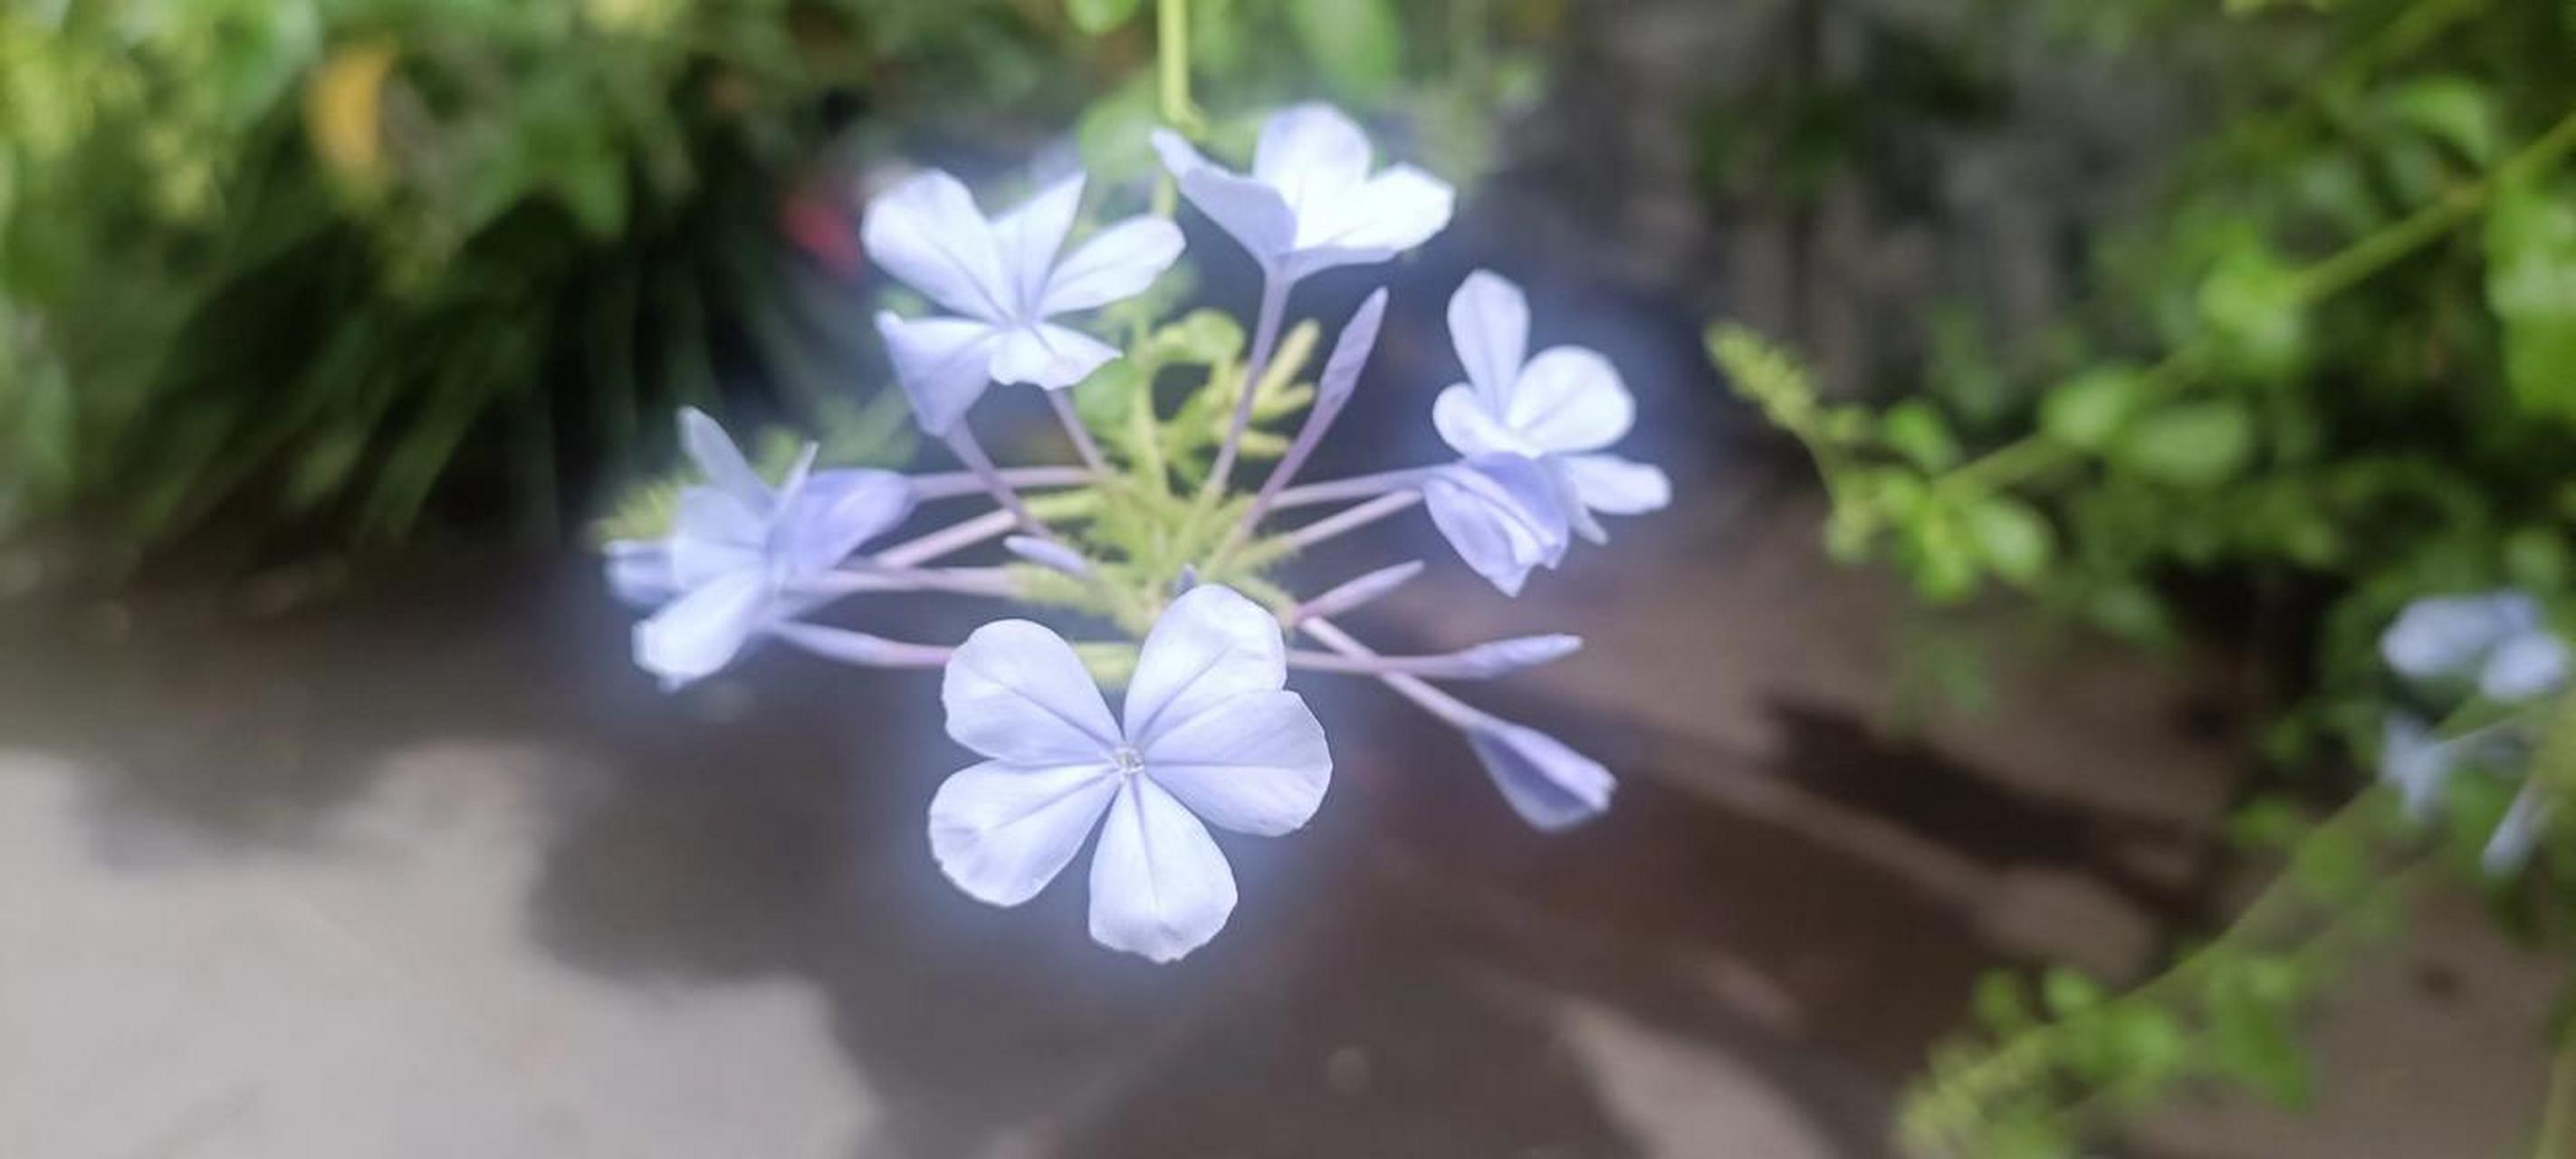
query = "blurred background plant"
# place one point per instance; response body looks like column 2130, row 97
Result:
column 2329, row 369
column 304, row 270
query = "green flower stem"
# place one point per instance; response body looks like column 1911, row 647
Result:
column 1061, row 402
column 1172, row 73
column 2037, row 453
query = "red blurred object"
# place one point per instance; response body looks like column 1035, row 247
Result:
column 819, row 225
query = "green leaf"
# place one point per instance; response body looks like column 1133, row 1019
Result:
column 1098, row 16
column 1357, row 45
column 1115, row 133
column 1918, row 432
column 2066, row 992
column 2249, row 1029
column 2085, row 412
column 2455, row 110
column 2015, row 540
column 2195, row 445
column 2531, row 283
column 2250, row 303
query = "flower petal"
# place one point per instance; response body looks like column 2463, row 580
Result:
column 928, row 233
column 1016, row 692
column 1501, row 514
column 2510, row 846
column 2444, row 636
column 1394, row 211
column 1002, row 832
column 701, row 632
column 2416, row 763
column 1116, row 264
column 1569, row 399
column 1489, row 324
column 1256, row 763
column 1027, row 239
column 2529, row 665
column 1616, row 485
column 1048, row 356
column 1159, row 885
column 639, row 573
column 1468, row 425
column 824, row 521
column 1312, row 154
column 1253, row 213
column 713, row 534
column 721, row 462
column 943, row 365
column 1209, row 646
column 1549, row 785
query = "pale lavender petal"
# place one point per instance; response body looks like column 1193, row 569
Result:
column 639, row 574
column 1501, row 514
column 928, row 233
column 1470, row 428
column 1016, row 692
column 1393, row 212
column 1502, row 657
column 1577, row 516
column 1351, row 349
column 700, row 633
column 713, row 534
column 943, row 365
column 1027, row 239
column 1256, row 763
column 2417, row 763
column 1048, row 356
column 1209, row 646
column 1549, row 785
column 1254, row 213
column 1159, row 885
column 828, row 518
column 721, row 462
column 1616, row 485
column 2528, row 665
column 1116, row 264
column 1570, row 399
column 2445, row 636
column 2511, row 845
column 1489, row 324
column 1002, row 832
column 1312, row 154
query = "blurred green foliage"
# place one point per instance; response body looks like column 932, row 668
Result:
column 2336, row 358
column 309, row 263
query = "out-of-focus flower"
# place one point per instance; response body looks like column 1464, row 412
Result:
column 2497, row 639
column 2416, row 762
column 1311, row 202
column 1004, row 277
column 2510, row 846
column 1551, row 786
column 1208, row 734
column 1559, row 408
column 1501, row 512
column 739, row 550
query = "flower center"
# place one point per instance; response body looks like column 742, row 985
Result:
column 1127, row 761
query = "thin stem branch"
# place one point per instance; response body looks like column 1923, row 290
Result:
column 1265, row 338
column 1355, row 487
column 948, row 540
column 951, row 484
column 1359, row 591
column 961, row 440
column 1061, row 402
column 1451, row 710
column 976, row 581
column 1330, row 526
column 860, row 648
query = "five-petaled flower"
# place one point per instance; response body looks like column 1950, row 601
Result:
column 1501, row 513
column 1208, row 733
column 1005, row 278
column 1311, row 202
column 1559, row 408
column 740, row 551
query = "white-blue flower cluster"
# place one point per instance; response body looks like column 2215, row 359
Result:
column 2494, row 651
column 1208, row 734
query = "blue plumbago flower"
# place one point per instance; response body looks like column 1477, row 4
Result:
column 1208, row 733
column 1311, row 202
column 2416, row 763
column 2509, row 848
column 1006, row 279
column 739, row 549
column 2498, row 640
column 1559, row 408
column 1501, row 512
